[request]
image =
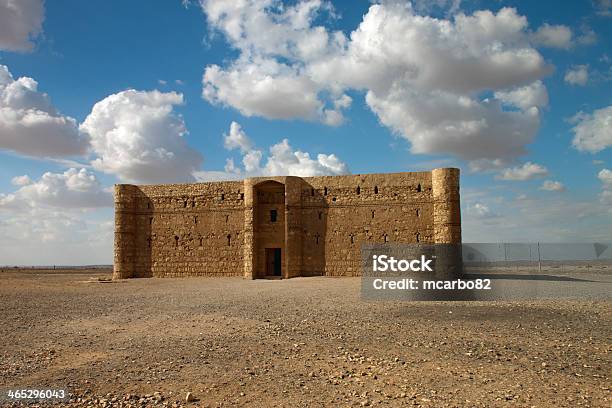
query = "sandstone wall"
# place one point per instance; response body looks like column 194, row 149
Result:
column 224, row 228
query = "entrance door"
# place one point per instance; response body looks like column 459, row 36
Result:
column 273, row 262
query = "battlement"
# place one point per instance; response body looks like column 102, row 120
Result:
column 283, row 226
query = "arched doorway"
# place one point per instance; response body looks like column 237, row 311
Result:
column 269, row 229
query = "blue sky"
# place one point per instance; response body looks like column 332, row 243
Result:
column 390, row 88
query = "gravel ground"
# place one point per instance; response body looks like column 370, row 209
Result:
column 304, row 342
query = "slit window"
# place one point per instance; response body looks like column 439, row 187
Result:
column 358, row 190
column 324, row 190
column 419, row 188
column 242, row 196
column 229, row 239
column 375, row 189
column 312, row 192
column 273, row 215
column 176, row 241
column 222, row 197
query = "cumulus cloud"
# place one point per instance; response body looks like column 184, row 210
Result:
column 30, row 124
column 593, row 132
column 550, row 185
column 430, row 80
column 139, row 138
column 258, row 83
column 525, row 97
column 281, row 160
column 237, row 139
column 577, row 75
column 554, row 36
column 527, row 171
column 605, row 176
column 21, row 180
column 20, row 22
column 74, row 188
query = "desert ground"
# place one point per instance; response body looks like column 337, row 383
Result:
column 303, row 342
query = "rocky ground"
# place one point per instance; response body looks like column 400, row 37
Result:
column 304, row 342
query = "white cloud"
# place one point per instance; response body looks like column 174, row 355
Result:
column 69, row 237
column 30, row 125
column 554, row 36
column 605, row 176
column 138, row 137
column 525, row 97
column 258, row 83
column 550, row 185
column 21, row 180
column 70, row 189
column 527, row 171
column 577, row 75
column 20, row 22
column 543, row 218
column 480, row 211
column 237, row 139
column 423, row 77
column 593, row 132
column 282, row 160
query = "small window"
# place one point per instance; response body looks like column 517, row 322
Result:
column 176, row 241
column 242, row 196
column 201, row 241
column 148, row 205
column 222, row 197
column 195, row 219
column 375, row 189
column 229, row 239
column 193, row 204
column 358, row 190
column 184, row 204
column 312, row 192
column 273, row 215
column 419, row 188
column 324, row 190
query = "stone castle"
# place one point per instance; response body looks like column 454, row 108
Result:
column 279, row 226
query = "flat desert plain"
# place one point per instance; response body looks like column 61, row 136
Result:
column 303, row 342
